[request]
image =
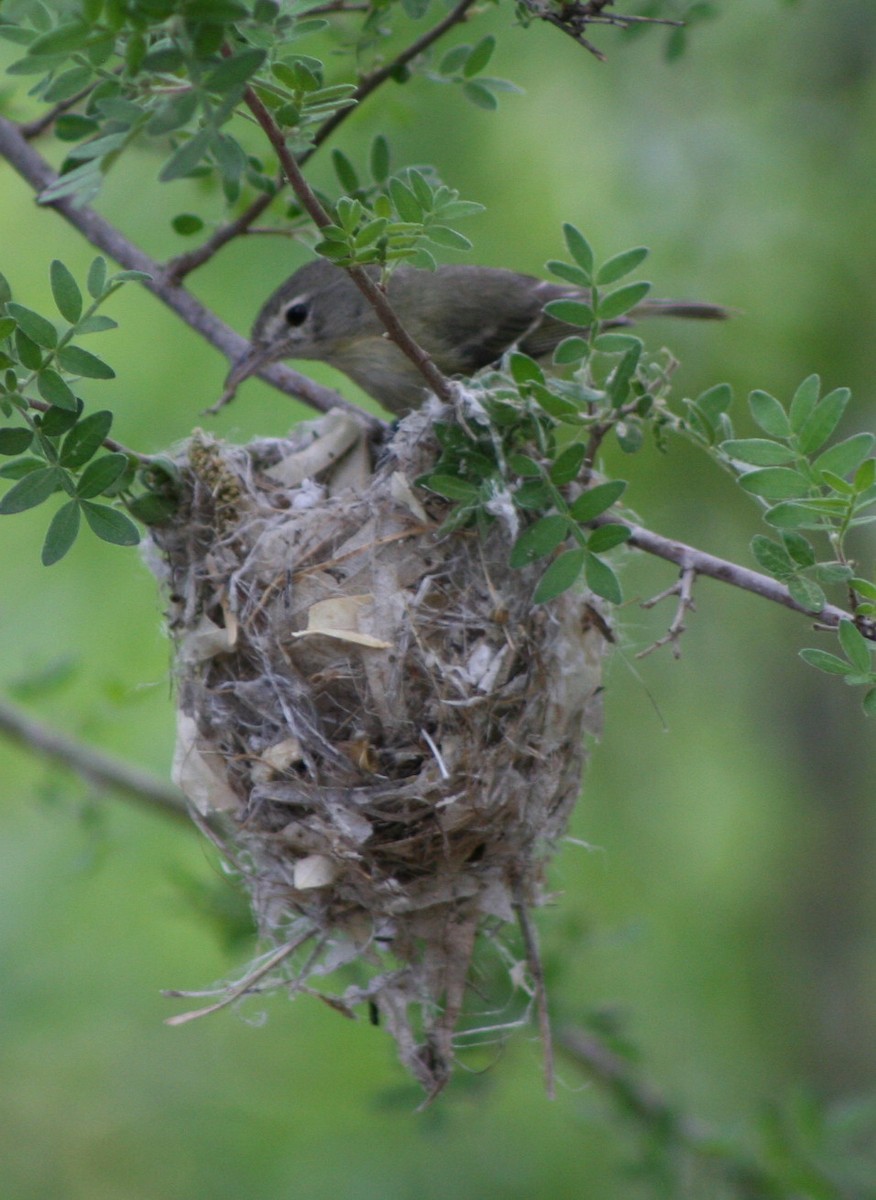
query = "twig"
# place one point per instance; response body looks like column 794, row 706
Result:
column 177, row 268
column 683, row 588
column 100, row 233
column 701, row 563
column 245, row 985
column 375, row 296
column 573, row 18
column 658, row 1119
column 92, row 765
column 533, row 961
column 32, row 129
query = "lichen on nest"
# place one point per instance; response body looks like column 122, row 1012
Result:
column 380, row 731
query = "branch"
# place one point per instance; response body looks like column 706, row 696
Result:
column 92, row 765
column 179, row 267
column 574, row 17
column 32, row 167
column 700, row 563
column 659, row 1120
column 375, row 296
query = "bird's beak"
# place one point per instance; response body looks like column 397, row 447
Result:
column 250, row 363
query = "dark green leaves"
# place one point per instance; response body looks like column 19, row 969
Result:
column 66, row 293
column 82, row 362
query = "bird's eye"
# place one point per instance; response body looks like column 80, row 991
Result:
column 296, row 314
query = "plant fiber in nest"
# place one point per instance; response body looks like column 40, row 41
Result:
column 380, row 731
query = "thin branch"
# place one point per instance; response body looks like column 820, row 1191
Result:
column 574, row 17
column 177, row 268
column 32, row 167
column 95, row 767
column 683, row 589
column 375, row 296
column 536, row 971
column 689, row 558
column 657, row 1118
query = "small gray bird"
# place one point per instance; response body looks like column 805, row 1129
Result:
column 465, row 317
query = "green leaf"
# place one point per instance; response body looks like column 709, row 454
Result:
column 72, row 127
column 568, row 464
column 799, row 548
column 606, row 537
column 65, row 291
column 82, row 362
column 855, row 646
column 37, row 328
column 865, row 476
column 601, row 579
column 580, row 249
column 792, row 516
column 534, row 494
column 772, row 557
column 215, row 12
column 29, row 353
column 406, row 204
column 574, row 275
column 232, row 72
column 776, row 483
column 67, row 84
column 62, row 39
column 769, row 414
column 869, row 703
column 454, row 60
column 597, row 500
column 619, row 302
column 823, row 420
column 480, row 95
column 539, row 540
column 617, row 343
column 7, row 326
column 32, row 490
column 61, row 534
column 522, row 464
column 380, row 159
column 479, row 57
column 619, row 384
column 101, row 474
column 96, row 281
column 804, row 401
column 823, row 661
column 173, row 114
column 563, row 572
column 846, row 456
column 807, row 594
column 832, row 572
column 187, row 223
column 15, row 441
column 451, row 487
column 571, row 350
column 57, row 421
column 524, row 369
column 184, row 160
column 345, row 171
column 572, row 312
column 443, row 235
column 110, row 525
column 715, row 401
column 55, row 391
column 619, row 266
column 759, row 452
column 86, row 438
column 864, row 587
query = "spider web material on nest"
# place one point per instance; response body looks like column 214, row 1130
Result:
column 381, row 732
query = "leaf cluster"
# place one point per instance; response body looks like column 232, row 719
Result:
column 54, row 447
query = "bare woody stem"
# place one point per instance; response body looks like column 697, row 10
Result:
column 100, row 233
column 180, row 266
column 90, row 764
column 688, row 558
column 366, row 285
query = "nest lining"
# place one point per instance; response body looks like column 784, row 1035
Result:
column 377, row 727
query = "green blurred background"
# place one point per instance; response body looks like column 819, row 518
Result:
column 726, row 914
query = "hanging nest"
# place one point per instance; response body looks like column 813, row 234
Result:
column 381, row 732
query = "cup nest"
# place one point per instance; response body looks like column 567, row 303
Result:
column 381, row 732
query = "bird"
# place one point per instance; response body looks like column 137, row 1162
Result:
column 465, row 317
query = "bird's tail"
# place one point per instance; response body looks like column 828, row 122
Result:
column 697, row 310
